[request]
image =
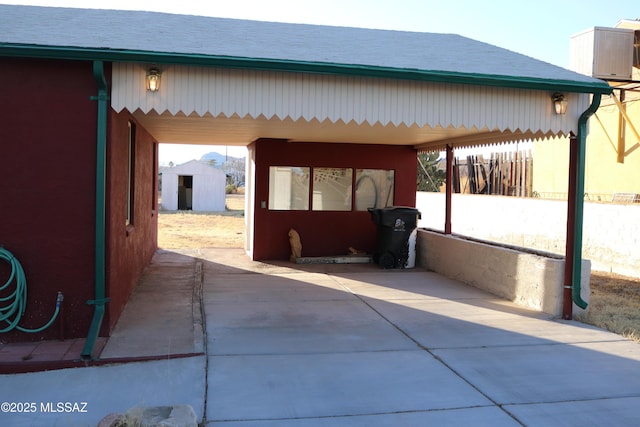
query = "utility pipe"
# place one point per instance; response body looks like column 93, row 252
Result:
column 101, row 155
column 449, row 190
column 578, row 205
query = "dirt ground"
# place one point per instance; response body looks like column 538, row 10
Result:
column 186, row 229
column 614, row 304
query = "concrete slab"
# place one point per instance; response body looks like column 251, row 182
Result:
column 550, row 373
column 286, row 361
column 278, row 387
column 292, row 286
column 599, row 412
column 477, row 417
column 439, row 323
column 298, row 312
column 405, row 284
column 94, row 392
column 163, row 300
column 235, row 261
column 299, row 327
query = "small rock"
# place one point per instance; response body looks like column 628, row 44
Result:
column 113, row 420
column 162, row 416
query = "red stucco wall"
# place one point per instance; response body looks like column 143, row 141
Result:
column 47, row 182
column 131, row 247
column 47, row 195
column 325, row 233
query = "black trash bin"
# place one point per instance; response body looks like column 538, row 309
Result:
column 395, row 226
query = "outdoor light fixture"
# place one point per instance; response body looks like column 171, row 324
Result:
column 153, row 80
column 560, row 103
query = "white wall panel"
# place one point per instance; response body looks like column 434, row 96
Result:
column 251, row 93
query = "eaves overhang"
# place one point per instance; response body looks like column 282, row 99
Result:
column 450, row 77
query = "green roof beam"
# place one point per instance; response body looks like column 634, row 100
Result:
column 450, row 77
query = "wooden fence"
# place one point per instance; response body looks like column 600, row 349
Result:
column 507, row 174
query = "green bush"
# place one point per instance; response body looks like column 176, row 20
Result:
column 231, row 189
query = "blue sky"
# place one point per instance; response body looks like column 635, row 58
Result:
column 540, row 29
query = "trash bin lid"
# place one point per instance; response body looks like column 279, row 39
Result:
column 387, row 216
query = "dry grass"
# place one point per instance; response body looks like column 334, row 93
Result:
column 186, row 229
column 614, row 304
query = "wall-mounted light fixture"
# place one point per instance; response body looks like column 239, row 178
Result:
column 560, row 103
column 153, row 80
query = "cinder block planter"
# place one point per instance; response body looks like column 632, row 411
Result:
column 529, row 278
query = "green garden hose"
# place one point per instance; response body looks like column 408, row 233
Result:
column 13, row 305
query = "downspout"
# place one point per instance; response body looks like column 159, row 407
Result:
column 576, row 256
column 101, row 144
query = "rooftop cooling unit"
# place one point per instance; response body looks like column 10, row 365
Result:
column 604, row 53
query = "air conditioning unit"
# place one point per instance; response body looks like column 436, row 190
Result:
column 604, row 53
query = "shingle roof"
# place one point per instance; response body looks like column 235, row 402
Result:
column 145, row 34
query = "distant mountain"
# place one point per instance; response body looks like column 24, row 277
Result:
column 219, row 159
column 234, row 167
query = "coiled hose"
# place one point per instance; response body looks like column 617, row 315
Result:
column 12, row 306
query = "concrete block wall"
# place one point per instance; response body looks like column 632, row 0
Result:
column 532, row 280
column 611, row 233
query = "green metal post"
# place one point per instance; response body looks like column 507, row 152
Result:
column 449, row 190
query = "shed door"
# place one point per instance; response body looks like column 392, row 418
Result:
column 185, row 192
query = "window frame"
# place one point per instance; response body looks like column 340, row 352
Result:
column 311, row 185
column 130, row 187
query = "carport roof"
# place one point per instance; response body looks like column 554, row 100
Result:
column 114, row 35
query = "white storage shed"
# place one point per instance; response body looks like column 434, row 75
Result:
column 194, row 185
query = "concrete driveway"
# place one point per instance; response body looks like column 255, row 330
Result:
column 337, row 345
column 345, row 345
